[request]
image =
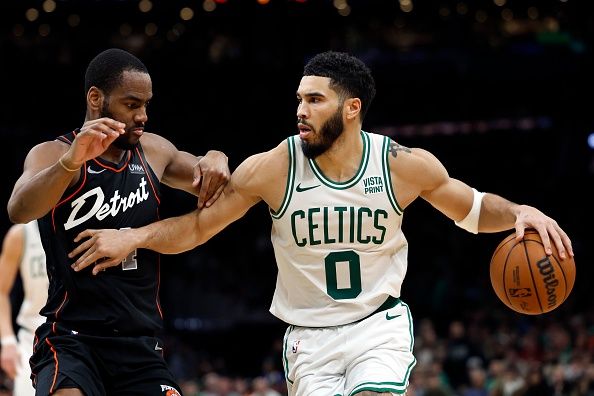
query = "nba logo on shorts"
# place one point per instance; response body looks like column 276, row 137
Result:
column 295, row 346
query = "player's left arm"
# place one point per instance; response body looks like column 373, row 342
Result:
column 422, row 174
column 203, row 176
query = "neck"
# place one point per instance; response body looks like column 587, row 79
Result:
column 342, row 160
column 113, row 154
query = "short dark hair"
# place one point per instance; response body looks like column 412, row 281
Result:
column 106, row 69
column 349, row 76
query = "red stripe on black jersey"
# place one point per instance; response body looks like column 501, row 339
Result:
column 112, row 168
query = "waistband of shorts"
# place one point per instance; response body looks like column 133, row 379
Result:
column 390, row 302
column 96, row 331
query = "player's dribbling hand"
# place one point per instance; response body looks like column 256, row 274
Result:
column 211, row 175
column 10, row 360
column 104, row 248
column 547, row 228
column 93, row 139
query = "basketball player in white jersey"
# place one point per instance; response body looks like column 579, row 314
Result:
column 21, row 252
column 336, row 196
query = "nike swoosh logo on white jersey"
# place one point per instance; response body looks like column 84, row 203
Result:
column 388, row 317
column 302, row 189
column 94, row 171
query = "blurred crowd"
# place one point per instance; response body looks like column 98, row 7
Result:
column 521, row 357
column 486, row 354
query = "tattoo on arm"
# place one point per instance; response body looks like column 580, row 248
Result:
column 395, row 148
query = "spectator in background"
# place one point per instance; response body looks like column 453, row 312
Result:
column 512, row 383
column 478, row 380
column 261, row 387
column 535, row 383
column 458, row 351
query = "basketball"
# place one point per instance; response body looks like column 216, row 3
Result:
column 526, row 279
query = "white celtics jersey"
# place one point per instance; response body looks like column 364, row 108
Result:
column 34, row 277
column 339, row 247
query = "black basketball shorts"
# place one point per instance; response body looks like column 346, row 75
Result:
column 99, row 365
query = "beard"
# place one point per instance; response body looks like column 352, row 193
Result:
column 329, row 132
column 123, row 141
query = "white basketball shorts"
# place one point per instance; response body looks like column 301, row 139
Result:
column 374, row 354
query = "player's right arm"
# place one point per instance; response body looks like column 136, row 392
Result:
column 10, row 258
column 418, row 173
column 260, row 177
column 51, row 167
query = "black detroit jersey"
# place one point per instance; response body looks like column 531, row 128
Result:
column 123, row 299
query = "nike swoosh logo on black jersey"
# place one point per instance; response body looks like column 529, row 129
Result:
column 301, row 189
column 94, row 171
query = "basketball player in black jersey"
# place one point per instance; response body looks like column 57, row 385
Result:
column 99, row 337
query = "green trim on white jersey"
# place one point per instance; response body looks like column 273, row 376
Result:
column 290, row 181
column 388, row 177
column 355, row 179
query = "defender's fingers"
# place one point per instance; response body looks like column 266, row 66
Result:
column 86, row 245
column 212, row 187
column 215, row 196
column 203, row 195
column 197, row 176
column 105, row 264
column 85, row 234
column 104, row 129
column 88, row 258
column 111, row 122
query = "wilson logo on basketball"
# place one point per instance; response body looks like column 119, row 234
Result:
column 547, row 270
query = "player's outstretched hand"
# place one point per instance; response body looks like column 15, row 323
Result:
column 92, row 140
column 211, row 175
column 103, row 248
column 549, row 230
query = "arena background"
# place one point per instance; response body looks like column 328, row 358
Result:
column 499, row 91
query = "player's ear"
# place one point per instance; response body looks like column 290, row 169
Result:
column 352, row 108
column 95, row 99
